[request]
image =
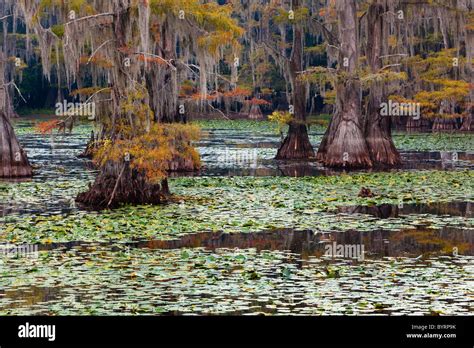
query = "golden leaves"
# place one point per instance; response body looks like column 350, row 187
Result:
column 155, row 152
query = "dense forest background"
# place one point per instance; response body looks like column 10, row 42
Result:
column 432, row 38
column 150, row 66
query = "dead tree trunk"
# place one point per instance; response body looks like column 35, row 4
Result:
column 13, row 160
column 344, row 144
column 378, row 128
column 296, row 145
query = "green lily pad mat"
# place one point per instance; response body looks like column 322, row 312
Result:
column 99, row 281
column 246, row 204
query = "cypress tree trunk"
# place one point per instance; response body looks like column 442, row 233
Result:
column 13, row 160
column 296, row 145
column 378, row 128
column 468, row 124
column 162, row 82
column 117, row 183
column 344, row 144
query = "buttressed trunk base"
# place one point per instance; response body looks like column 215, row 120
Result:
column 13, row 160
column 296, row 145
column 119, row 184
column 382, row 150
column 344, row 144
column 347, row 148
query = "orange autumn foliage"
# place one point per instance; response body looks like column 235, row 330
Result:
column 47, row 127
column 150, row 59
column 256, row 101
column 155, row 152
column 238, row 92
column 210, row 97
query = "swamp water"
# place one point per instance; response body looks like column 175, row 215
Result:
column 245, row 236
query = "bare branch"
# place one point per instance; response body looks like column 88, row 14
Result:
column 97, row 49
column 90, row 17
column 156, row 56
column 17, row 89
column 103, row 100
column 220, row 111
column 116, row 184
column 94, row 94
column 274, row 51
column 85, row 18
column 389, row 66
column 394, row 55
column 332, row 40
column 87, row 101
column 209, row 72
